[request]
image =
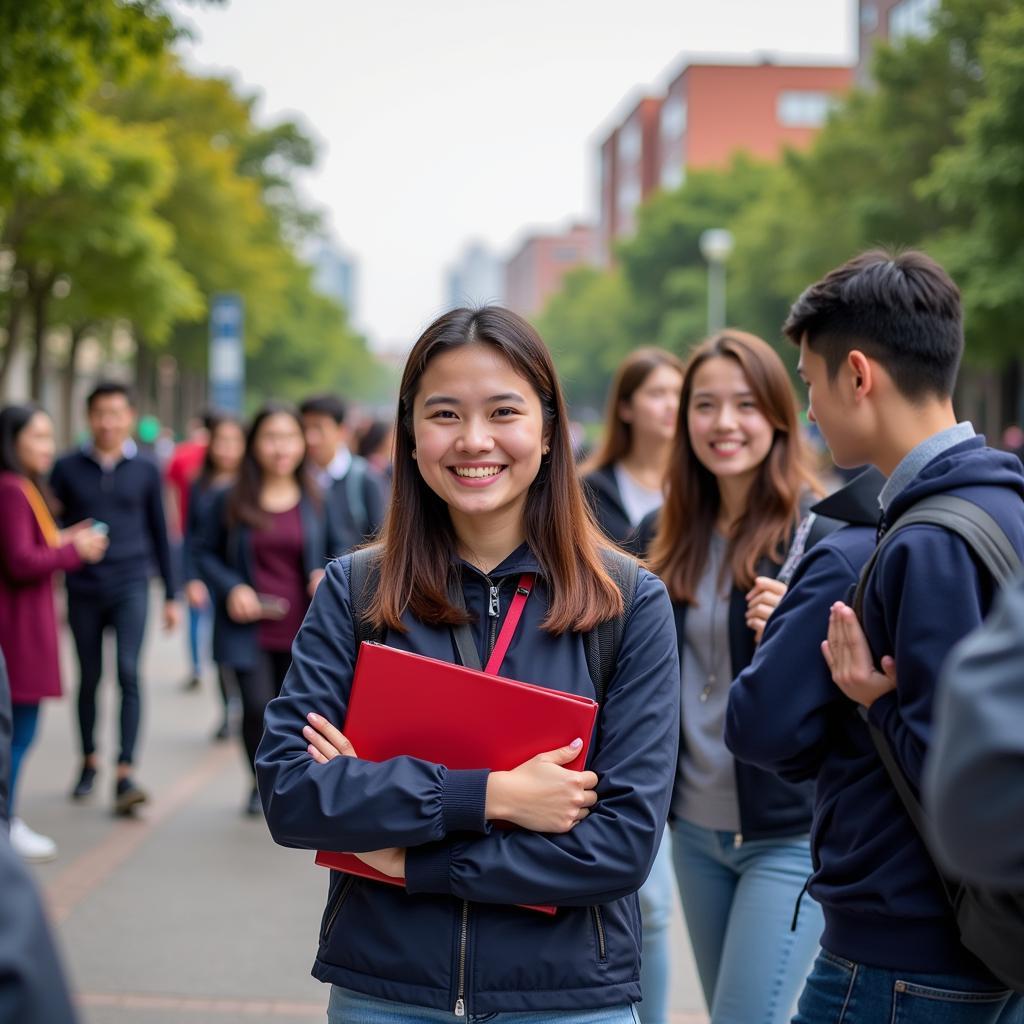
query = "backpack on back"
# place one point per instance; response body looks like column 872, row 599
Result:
column 991, row 921
column 601, row 644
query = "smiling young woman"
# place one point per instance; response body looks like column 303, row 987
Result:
column 485, row 492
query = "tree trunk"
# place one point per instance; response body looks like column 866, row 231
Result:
column 14, row 314
column 39, row 293
column 67, row 384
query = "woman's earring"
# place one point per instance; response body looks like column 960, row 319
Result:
column 414, row 453
column 545, row 449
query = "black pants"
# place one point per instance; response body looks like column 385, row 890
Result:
column 259, row 686
column 89, row 615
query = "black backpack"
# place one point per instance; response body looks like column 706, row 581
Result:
column 991, row 921
column 601, row 643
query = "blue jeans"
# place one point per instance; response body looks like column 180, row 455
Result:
column 88, row 616
column 841, row 992
column 738, row 902
column 347, row 1007
column 657, row 897
column 24, row 719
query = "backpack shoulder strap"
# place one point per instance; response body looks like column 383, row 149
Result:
column 979, row 531
column 363, row 576
column 602, row 643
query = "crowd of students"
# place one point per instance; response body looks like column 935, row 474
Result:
column 784, row 680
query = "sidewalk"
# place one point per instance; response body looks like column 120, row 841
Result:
column 190, row 913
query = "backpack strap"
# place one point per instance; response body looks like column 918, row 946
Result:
column 363, row 576
column 978, row 530
column 355, row 492
column 602, row 643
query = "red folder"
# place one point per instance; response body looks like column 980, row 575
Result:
column 407, row 704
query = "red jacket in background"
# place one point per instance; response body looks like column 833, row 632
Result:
column 28, row 618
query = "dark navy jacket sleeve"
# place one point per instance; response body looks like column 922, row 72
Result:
column 974, row 773
column 6, row 731
column 157, row 524
column 375, row 496
column 779, row 706
column 609, row 854
column 209, row 551
column 189, row 568
column 349, row 804
column 936, row 566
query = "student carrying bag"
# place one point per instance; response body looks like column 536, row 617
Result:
column 991, row 921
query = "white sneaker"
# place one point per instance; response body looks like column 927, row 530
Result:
column 29, row 845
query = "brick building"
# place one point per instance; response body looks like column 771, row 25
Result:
column 536, row 270
column 882, row 20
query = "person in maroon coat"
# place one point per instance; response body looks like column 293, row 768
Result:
column 32, row 549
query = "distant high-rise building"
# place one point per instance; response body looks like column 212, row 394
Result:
column 880, row 21
column 536, row 270
column 476, row 279
column 334, row 275
column 708, row 114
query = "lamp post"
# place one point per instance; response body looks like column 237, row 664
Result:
column 716, row 247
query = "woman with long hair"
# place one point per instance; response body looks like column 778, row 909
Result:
column 261, row 555
column 625, row 478
column 738, row 484
column 223, row 456
column 625, row 482
column 485, row 493
column 32, row 551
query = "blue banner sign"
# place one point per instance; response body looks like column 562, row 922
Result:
column 227, row 354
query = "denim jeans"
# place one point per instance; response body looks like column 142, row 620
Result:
column 347, row 1007
column 738, row 902
column 841, row 992
column 88, row 616
column 657, row 898
column 25, row 720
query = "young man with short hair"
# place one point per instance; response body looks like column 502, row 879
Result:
column 355, row 494
column 108, row 482
column 881, row 339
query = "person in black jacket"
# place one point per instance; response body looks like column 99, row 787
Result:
column 625, row 480
column 738, row 481
column 224, row 451
column 261, row 554
column 6, row 732
column 485, row 491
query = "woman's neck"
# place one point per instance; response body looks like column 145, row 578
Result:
column 487, row 540
column 648, row 463
column 279, row 493
column 734, row 492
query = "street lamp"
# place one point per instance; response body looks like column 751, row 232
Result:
column 716, row 247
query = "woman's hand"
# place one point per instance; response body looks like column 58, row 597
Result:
column 541, row 795
column 243, row 604
column 327, row 742
column 849, row 659
column 197, row 595
column 762, row 599
column 89, row 544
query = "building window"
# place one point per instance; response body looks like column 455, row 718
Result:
column 799, row 108
column 912, row 18
column 869, row 18
column 629, row 196
column 673, row 117
column 672, row 174
column 566, row 254
column 629, row 143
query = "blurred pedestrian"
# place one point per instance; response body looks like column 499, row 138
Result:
column 182, row 469
column 32, row 551
column 376, row 445
column 222, row 456
column 6, row 732
column 487, row 499
column 739, row 482
column 354, row 493
column 261, row 555
column 624, row 482
column 106, row 481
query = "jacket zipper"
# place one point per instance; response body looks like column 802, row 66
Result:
column 460, row 999
column 493, row 612
column 342, row 896
column 602, row 947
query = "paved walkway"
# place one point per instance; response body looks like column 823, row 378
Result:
column 189, row 913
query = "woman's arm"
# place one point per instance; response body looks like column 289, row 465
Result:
column 210, row 551
column 610, row 853
column 25, row 557
column 349, row 804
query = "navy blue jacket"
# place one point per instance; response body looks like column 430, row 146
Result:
column 873, row 877
column 463, row 879
column 344, row 532
column 129, row 499
column 605, row 498
column 201, row 500
column 223, row 557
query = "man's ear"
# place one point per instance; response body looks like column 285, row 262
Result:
column 862, row 374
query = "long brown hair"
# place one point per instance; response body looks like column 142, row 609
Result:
column 679, row 552
column 243, row 500
column 418, row 544
column 633, row 371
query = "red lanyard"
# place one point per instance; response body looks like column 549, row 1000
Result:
column 508, row 628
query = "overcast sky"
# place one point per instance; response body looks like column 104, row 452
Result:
column 440, row 121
